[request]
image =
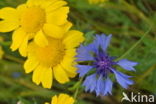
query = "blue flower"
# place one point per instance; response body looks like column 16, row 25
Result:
column 101, row 66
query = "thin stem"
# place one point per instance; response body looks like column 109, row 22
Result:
column 134, row 46
column 77, row 89
column 145, row 74
column 15, row 59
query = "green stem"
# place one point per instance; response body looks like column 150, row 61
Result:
column 78, row 87
column 145, row 74
column 15, row 59
column 5, row 43
column 134, row 46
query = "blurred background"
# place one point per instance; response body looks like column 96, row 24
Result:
column 127, row 20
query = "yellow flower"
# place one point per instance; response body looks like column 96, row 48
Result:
column 56, row 60
column 62, row 99
column 96, row 1
column 35, row 19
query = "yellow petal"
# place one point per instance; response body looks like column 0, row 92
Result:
column 30, row 64
column 21, row 8
column 70, row 52
column 67, row 26
column 68, row 62
column 68, row 65
column 73, row 39
column 58, row 17
column 54, row 100
column 37, row 74
column 32, row 47
column 10, row 19
column 60, row 75
column 53, row 31
column 71, row 72
column 65, row 99
column 47, row 78
column 17, row 38
column 70, row 101
column 40, row 39
column 7, row 26
column 62, row 99
column 23, row 48
column 9, row 13
column 55, row 5
column 31, row 35
column 46, row 103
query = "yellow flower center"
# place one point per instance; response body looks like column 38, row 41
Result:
column 33, row 19
column 52, row 54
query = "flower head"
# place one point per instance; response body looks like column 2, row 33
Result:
column 62, row 99
column 56, row 60
column 36, row 19
column 102, row 65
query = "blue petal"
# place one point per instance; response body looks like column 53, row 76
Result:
column 122, row 79
column 83, row 69
column 104, row 87
column 84, row 54
column 100, row 86
column 108, row 87
column 90, row 83
column 94, row 46
column 128, row 65
column 103, row 41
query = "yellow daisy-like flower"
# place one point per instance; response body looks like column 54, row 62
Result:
column 96, row 1
column 62, row 99
column 35, row 19
column 56, row 60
